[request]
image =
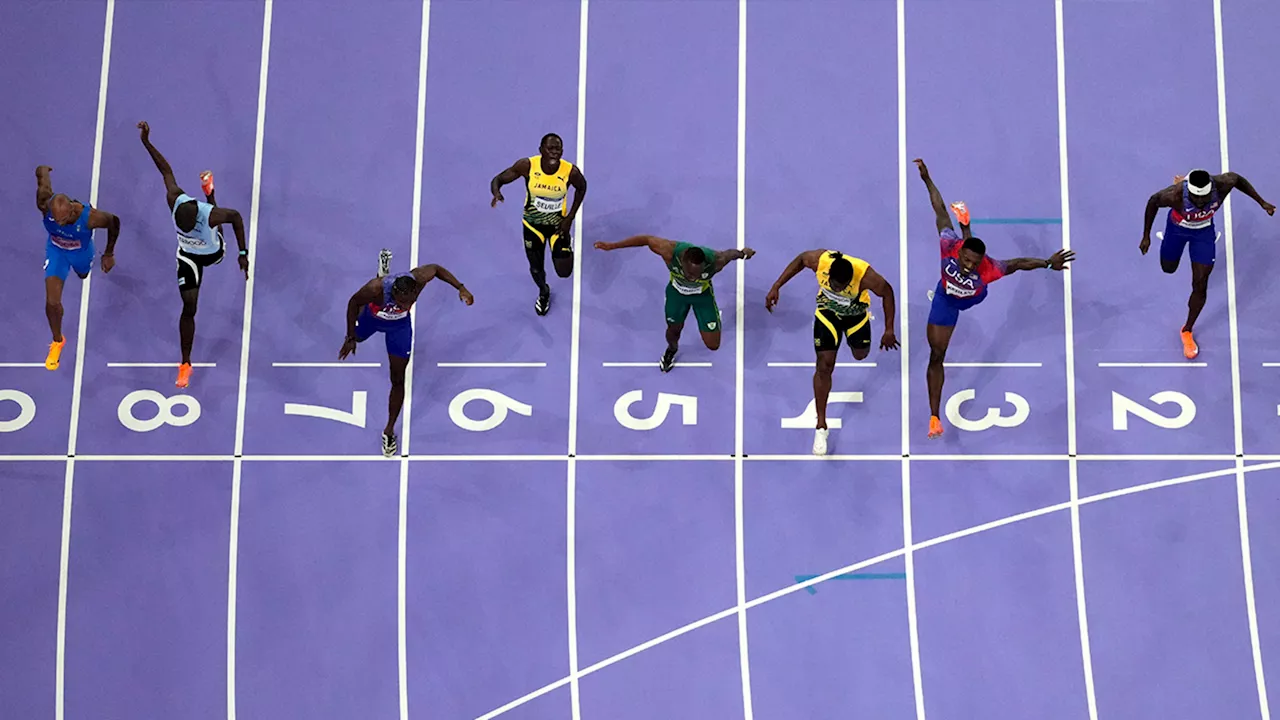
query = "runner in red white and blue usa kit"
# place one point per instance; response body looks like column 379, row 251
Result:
column 1193, row 200
column 382, row 305
column 966, row 273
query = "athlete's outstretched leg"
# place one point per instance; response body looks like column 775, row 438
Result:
column 939, row 340
column 53, row 307
column 187, row 333
column 1199, row 293
column 395, row 401
column 535, row 249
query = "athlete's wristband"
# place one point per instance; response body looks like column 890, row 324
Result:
column 244, row 252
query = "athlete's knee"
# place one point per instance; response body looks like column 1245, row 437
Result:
column 564, row 266
column 189, row 307
column 711, row 340
column 861, row 353
column 53, row 305
column 936, row 356
column 826, row 363
column 1169, row 266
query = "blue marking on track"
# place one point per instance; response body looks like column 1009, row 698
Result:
column 1015, row 221
column 813, row 589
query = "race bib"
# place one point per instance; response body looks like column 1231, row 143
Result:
column 836, row 298
column 684, row 287
column 548, row 205
column 64, row 243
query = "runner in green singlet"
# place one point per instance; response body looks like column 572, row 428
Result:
column 691, row 268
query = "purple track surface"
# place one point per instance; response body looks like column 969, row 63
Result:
column 1089, row 539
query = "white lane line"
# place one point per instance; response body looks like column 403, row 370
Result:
column 233, row 547
column 992, row 364
column 571, row 470
column 811, row 364
column 653, row 364
column 491, row 364
column 744, row 658
column 1077, row 548
column 21, row 365
column 1265, row 364
column 78, row 380
column 913, row 627
column 402, row 539
column 1242, row 507
column 330, row 365
column 1153, row 364
column 156, row 365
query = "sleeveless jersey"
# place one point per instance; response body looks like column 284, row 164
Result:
column 853, row 300
column 389, row 309
column 203, row 238
column 958, row 284
column 70, row 237
column 544, row 196
column 1191, row 217
column 685, row 286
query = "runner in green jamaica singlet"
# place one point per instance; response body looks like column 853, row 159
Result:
column 691, row 268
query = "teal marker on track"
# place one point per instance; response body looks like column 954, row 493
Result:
column 1015, row 221
column 812, row 589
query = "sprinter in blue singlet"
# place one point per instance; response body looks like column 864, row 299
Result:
column 1193, row 200
column 69, row 225
column 200, row 244
column 382, row 306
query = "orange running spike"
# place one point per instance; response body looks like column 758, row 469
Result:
column 184, row 375
column 1189, row 347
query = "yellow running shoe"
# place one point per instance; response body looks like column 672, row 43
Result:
column 55, row 353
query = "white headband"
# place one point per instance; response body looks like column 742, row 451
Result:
column 1203, row 190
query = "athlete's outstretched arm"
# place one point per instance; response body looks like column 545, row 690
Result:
column 172, row 191
column 661, row 247
column 942, row 218
column 371, row 292
column 876, row 283
column 724, row 257
column 1057, row 261
column 99, row 219
column 1167, row 197
column 219, row 216
column 1236, row 180
column 44, row 188
column 578, row 182
column 518, row 169
column 807, row 259
column 427, row 273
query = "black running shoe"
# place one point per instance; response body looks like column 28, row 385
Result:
column 668, row 360
column 388, row 445
column 544, row 301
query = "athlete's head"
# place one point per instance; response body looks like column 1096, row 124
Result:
column 1199, row 186
column 693, row 263
column 840, row 274
column 551, row 147
column 971, row 253
column 403, row 290
column 62, row 209
column 185, row 216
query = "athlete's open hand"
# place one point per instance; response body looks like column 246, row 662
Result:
column 108, row 262
column 1059, row 260
column 771, row 300
column 348, row 347
column 888, row 341
column 465, row 295
column 924, row 171
column 497, row 198
column 244, row 265
column 146, row 130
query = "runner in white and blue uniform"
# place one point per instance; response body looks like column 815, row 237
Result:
column 69, row 225
column 200, row 244
column 1193, row 200
column 382, row 306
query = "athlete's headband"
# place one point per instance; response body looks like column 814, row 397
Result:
column 1203, row 189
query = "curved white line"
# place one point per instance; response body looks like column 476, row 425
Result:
column 1047, row 510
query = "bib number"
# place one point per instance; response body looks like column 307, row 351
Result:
column 547, row 205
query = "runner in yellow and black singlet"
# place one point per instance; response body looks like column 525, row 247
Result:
column 546, row 219
column 691, row 268
column 844, row 286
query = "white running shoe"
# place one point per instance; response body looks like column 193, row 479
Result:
column 384, row 262
column 820, row 441
column 388, row 445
